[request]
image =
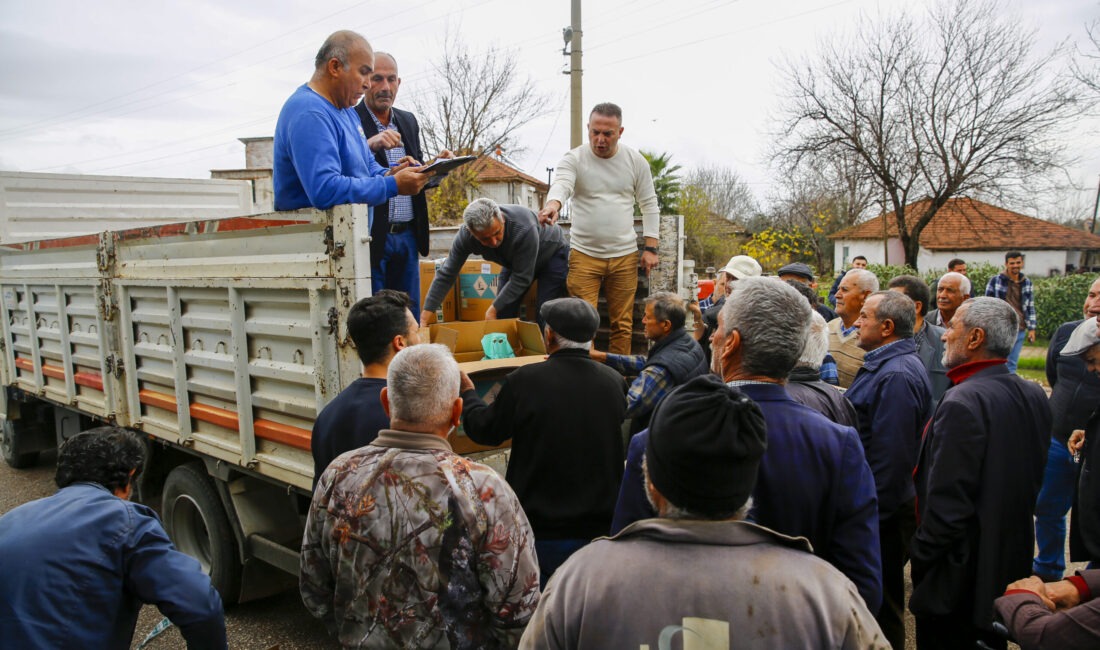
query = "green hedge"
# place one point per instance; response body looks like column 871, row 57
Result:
column 1058, row 299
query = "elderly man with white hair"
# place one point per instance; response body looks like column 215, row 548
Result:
column 854, row 288
column 951, row 291
column 408, row 544
column 511, row 236
column 805, row 385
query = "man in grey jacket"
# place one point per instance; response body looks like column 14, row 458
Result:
column 511, row 236
column 729, row 577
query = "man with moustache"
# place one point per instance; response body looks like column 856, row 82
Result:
column 953, row 289
column 978, row 473
column 399, row 231
column 854, row 288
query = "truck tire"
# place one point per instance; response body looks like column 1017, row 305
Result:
column 8, row 446
column 197, row 523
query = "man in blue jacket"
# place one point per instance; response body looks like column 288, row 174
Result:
column 893, row 397
column 76, row 567
column 321, row 158
column 814, row 480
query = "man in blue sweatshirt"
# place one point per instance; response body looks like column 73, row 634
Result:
column 321, row 157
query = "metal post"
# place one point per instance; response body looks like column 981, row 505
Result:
column 575, row 111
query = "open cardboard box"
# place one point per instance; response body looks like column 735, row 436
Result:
column 464, row 341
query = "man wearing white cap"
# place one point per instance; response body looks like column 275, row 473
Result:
column 738, row 267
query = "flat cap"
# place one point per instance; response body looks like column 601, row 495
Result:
column 573, row 318
column 1083, row 338
column 799, row 269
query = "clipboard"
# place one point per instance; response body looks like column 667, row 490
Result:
column 444, row 166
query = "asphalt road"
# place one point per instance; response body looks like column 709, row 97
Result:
column 276, row 622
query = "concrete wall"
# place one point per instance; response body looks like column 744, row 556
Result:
column 871, row 249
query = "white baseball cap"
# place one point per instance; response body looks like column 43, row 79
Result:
column 742, row 266
column 1083, row 338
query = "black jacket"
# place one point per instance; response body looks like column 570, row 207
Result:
column 1075, row 391
column 409, row 129
column 1084, row 532
column 978, row 473
column 564, row 417
column 804, row 385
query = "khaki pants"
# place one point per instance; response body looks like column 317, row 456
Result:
column 619, row 277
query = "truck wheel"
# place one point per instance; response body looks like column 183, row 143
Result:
column 196, row 521
column 8, row 446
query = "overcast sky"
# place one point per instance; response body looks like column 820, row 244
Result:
column 160, row 88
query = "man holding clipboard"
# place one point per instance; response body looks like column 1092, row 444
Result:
column 399, row 231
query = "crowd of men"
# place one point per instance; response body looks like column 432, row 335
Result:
column 756, row 501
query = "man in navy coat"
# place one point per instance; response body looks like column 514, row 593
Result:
column 893, row 397
column 814, row 480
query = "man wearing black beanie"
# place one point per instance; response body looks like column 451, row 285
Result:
column 703, row 450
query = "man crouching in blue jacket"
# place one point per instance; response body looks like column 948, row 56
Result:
column 76, row 567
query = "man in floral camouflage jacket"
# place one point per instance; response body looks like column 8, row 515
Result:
column 408, row 544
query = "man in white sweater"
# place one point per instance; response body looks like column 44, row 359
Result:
column 604, row 180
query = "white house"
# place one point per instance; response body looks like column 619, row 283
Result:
column 503, row 183
column 973, row 231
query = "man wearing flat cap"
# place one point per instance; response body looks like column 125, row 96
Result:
column 698, row 570
column 564, row 417
column 800, row 272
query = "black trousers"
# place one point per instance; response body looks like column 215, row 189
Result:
column 954, row 633
column 895, row 533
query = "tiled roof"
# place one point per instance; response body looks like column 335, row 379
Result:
column 491, row 170
column 968, row 224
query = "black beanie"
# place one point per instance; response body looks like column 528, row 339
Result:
column 704, row 447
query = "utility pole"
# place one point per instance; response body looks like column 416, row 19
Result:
column 575, row 106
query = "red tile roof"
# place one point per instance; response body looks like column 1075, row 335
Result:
column 491, row 170
column 968, row 224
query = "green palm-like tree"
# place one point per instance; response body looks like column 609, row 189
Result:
column 665, row 181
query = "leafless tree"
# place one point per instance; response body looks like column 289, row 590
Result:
column 727, row 194
column 952, row 102
column 481, row 103
column 1086, row 68
column 818, row 200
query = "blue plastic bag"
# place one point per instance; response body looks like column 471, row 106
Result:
column 496, row 346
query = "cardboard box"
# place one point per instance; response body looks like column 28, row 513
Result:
column 464, row 341
column 478, row 284
column 448, row 310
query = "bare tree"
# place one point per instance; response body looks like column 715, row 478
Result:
column 954, row 103
column 482, row 102
column 1086, row 68
column 818, row 200
column 726, row 193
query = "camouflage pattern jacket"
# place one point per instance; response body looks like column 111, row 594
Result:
column 410, row 545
